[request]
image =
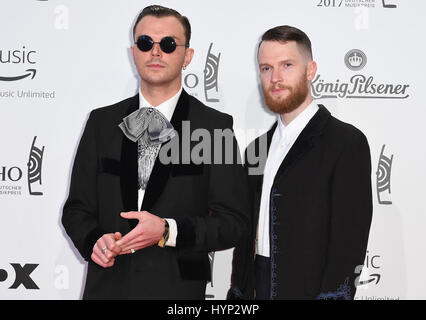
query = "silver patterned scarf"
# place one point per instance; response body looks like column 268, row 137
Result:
column 149, row 128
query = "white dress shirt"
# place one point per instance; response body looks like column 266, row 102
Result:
column 166, row 108
column 282, row 140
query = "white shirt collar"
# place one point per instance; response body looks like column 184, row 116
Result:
column 293, row 129
column 166, row 108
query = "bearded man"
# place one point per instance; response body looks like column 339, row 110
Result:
column 312, row 199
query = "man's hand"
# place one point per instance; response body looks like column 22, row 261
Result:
column 106, row 249
column 148, row 231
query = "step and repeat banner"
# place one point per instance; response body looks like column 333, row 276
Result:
column 59, row 59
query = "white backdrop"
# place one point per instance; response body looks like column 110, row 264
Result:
column 62, row 58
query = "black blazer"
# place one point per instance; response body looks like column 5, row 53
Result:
column 208, row 202
column 320, row 214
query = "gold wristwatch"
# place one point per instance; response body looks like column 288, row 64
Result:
column 165, row 236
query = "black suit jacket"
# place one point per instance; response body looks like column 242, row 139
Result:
column 208, row 202
column 320, row 214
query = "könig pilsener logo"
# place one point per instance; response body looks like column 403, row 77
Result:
column 355, row 59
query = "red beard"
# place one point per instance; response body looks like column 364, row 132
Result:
column 295, row 98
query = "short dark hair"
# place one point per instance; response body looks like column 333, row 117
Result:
column 160, row 12
column 289, row 33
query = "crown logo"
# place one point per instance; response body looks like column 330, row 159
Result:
column 355, row 59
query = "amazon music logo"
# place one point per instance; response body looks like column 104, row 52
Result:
column 20, row 275
column 209, row 77
column 23, row 61
column 372, row 270
column 13, row 175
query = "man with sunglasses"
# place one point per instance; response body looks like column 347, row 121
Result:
column 146, row 225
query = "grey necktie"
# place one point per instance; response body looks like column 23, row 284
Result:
column 150, row 129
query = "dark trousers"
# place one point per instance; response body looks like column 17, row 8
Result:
column 262, row 267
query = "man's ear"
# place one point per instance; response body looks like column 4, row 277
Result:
column 132, row 51
column 311, row 70
column 189, row 53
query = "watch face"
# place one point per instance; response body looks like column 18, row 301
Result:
column 165, row 236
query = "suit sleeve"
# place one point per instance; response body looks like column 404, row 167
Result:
column 227, row 220
column 351, row 214
column 80, row 212
column 242, row 277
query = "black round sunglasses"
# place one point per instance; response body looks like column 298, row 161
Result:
column 167, row 44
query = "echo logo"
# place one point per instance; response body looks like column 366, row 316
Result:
column 15, row 173
column 388, row 5
column 22, row 276
column 210, row 76
column 383, row 173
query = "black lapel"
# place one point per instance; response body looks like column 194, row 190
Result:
column 305, row 140
column 128, row 166
column 269, row 135
column 160, row 172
